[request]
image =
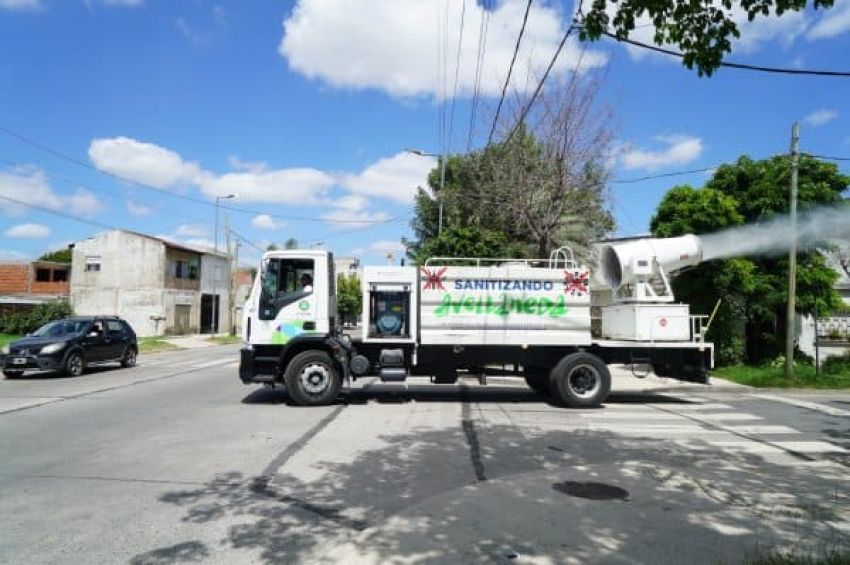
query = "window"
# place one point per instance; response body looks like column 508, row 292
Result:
column 115, row 328
column 92, row 262
column 42, row 275
column 284, row 281
column 183, row 269
column 60, row 275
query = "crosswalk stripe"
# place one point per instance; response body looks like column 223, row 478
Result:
column 824, row 409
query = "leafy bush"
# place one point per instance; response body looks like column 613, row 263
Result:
column 30, row 320
column 837, row 364
column 835, row 334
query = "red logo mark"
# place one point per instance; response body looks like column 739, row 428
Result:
column 575, row 282
column 663, row 322
column 433, row 279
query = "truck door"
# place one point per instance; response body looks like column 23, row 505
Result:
column 287, row 305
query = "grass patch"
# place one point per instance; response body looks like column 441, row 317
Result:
column 155, row 344
column 8, row 338
column 774, row 377
column 225, row 339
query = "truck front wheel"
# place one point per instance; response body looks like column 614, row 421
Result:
column 311, row 379
column 581, row 380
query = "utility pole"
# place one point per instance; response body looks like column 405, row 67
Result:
column 790, row 321
column 442, row 189
column 234, row 277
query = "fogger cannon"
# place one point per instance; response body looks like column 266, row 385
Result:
column 632, row 286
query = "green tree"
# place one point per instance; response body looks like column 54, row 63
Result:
column 58, row 256
column 753, row 289
column 463, row 241
column 349, row 299
column 272, row 247
column 702, row 31
column 291, row 243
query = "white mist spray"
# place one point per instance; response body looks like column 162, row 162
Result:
column 814, row 227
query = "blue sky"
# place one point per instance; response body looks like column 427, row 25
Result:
column 305, row 108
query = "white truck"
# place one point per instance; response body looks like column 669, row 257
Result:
column 550, row 321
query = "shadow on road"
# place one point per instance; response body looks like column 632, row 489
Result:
column 400, row 394
column 483, row 492
column 51, row 375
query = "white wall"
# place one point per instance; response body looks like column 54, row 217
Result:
column 217, row 285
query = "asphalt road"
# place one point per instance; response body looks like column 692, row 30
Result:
column 176, row 461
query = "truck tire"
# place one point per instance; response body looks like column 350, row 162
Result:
column 311, row 379
column 581, row 380
column 538, row 381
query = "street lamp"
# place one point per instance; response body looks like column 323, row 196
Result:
column 442, row 159
column 216, row 301
column 217, row 199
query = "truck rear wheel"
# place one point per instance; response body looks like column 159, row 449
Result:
column 581, row 380
column 311, row 379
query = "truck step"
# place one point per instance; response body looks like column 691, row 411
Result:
column 393, row 375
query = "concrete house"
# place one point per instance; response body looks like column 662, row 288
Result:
column 25, row 284
column 158, row 286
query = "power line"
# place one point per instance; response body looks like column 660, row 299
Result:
column 510, row 70
column 58, row 213
column 457, row 70
column 70, row 159
column 476, row 91
column 662, row 175
column 742, row 66
column 540, row 84
column 828, row 158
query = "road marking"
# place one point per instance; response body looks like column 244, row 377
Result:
column 810, row 446
column 213, row 363
column 829, row 410
column 729, row 417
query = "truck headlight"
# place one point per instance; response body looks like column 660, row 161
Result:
column 53, row 347
column 5, row 349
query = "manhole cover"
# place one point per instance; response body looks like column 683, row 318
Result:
column 592, row 491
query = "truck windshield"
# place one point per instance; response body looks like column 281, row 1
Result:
column 283, row 282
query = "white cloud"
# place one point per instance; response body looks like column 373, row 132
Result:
column 680, row 150
column 395, row 177
column 246, row 166
column 266, row 222
column 357, row 251
column 31, row 231
column 346, row 218
column 153, row 165
column 191, row 230
column 834, row 21
column 385, row 247
column 300, row 186
column 138, row 209
column 84, row 203
column 820, row 117
column 129, row 3
column 390, row 46
column 8, row 255
column 145, row 163
column 30, row 185
column 188, row 32
column 20, row 5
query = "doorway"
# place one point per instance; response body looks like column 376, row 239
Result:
column 208, row 307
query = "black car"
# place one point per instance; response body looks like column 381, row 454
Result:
column 71, row 344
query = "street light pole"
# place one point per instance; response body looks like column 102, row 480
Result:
column 216, row 303
column 217, row 200
column 442, row 159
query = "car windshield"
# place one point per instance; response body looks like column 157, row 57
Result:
column 60, row 328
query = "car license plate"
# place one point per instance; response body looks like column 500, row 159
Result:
column 19, row 361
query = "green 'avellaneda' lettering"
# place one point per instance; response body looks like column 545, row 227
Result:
column 501, row 305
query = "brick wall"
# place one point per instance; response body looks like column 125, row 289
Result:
column 14, row 278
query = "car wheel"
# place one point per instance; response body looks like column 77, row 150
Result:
column 74, row 365
column 129, row 358
column 581, row 380
column 311, row 379
column 10, row 374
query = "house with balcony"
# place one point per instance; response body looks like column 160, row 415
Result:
column 25, row 284
column 157, row 285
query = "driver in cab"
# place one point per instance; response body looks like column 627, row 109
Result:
column 306, row 283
